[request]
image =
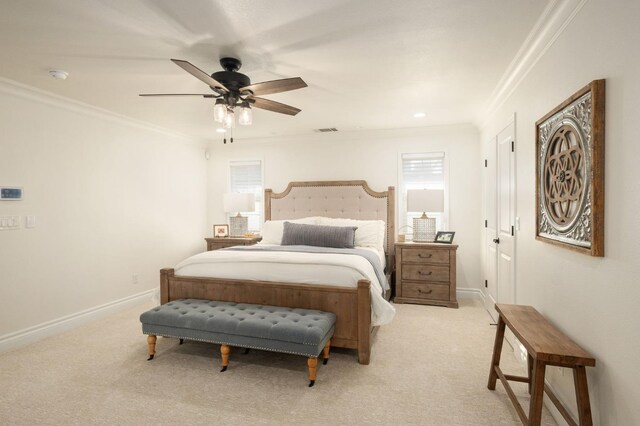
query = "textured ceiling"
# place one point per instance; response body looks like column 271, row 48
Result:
column 369, row 64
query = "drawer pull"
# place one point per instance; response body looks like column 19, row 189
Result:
column 425, row 273
column 425, row 292
column 420, row 255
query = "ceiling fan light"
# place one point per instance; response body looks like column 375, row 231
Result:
column 246, row 116
column 230, row 119
column 220, row 111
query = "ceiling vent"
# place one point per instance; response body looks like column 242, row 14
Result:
column 326, row 130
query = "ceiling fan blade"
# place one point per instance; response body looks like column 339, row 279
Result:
column 199, row 74
column 276, row 86
column 208, row 95
column 273, row 106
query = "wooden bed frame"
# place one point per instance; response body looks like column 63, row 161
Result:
column 352, row 306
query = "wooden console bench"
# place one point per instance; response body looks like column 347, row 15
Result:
column 546, row 345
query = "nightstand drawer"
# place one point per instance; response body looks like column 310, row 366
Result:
column 424, row 272
column 425, row 291
column 414, row 254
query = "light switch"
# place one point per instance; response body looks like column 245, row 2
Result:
column 30, row 222
column 517, row 223
column 9, row 222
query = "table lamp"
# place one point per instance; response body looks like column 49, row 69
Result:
column 425, row 200
column 236, row 203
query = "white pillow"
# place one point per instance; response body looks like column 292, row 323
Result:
column 272, row 229
column 370, row 233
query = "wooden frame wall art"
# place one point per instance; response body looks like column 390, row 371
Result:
column 570, row 172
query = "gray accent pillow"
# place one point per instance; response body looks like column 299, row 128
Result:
column 298, row 234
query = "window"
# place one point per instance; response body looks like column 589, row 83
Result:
column 246, row 177
column 421, row 171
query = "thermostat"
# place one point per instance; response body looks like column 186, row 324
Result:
column 10, row 193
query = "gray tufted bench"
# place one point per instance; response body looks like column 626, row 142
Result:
column 271, row 328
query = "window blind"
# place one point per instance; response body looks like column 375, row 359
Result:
column 421, row 171
column 246, row 177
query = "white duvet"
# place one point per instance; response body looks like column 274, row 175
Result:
column 308, row 268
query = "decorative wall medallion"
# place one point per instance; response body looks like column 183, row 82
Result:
column 570, row 172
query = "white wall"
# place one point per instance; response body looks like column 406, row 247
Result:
column 111, row 198
column 594, row 300
column 372, row 156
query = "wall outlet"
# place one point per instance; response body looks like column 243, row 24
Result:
column 522, row 352
column 134, row 279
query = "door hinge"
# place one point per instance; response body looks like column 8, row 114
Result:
column 486, row 284
column 512, row 231
column 486, row 223
column 513, row 146
column 485, row 163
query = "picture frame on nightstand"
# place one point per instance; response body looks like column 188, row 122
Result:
column 444, row 237
column 221, row 231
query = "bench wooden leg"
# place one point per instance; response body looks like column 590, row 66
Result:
column 537, row 393
column 325, row 352
column 529, row 370
column 582, row 395
column 224, row 351
column 312, row 363
column 151, row 346
column 497, row 352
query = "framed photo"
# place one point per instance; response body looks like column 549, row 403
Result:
column 221, row 231
column 445, row 237
column 570, row 172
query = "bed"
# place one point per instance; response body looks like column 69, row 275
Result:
column 352, row 305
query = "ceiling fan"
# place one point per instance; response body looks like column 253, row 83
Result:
column 234, row 89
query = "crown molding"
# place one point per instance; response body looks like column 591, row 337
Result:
column 12, row 87
column 554, row 19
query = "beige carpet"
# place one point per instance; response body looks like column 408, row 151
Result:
column 429, row 367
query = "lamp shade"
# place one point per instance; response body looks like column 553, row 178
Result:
column 236, row 202
column 425, row 200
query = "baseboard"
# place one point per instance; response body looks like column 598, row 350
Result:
column 470, row 293
column 552, row 408
column 51, row 328
column 520, row 353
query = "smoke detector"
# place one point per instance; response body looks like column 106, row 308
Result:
column 59, row 74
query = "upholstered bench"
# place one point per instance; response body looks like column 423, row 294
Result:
column 270, row 328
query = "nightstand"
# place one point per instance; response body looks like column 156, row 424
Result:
column 426, row 274
column 222, row 242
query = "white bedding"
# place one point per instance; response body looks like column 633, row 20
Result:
column 307, row 268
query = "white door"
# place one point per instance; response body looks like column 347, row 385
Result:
column 491, row 228
column 500, row 224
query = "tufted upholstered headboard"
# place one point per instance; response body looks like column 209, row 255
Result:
column 351, row 199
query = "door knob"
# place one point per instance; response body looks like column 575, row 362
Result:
column 496, row 240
